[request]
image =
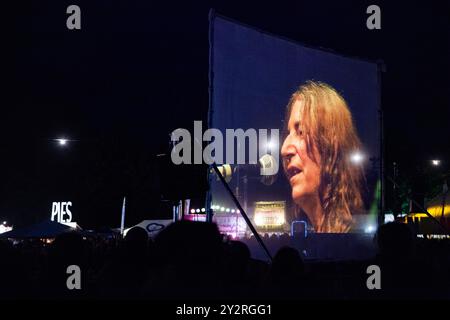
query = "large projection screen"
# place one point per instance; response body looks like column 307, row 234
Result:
column 330, row 135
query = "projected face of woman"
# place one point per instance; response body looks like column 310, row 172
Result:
column 302, row 168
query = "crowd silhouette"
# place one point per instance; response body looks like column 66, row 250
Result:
column 192, row 260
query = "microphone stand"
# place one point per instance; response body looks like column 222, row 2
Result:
column 241, row 210
column 235, row 200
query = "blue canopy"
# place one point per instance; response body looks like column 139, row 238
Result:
column 44, row 229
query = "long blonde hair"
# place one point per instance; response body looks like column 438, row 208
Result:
column 328, row 125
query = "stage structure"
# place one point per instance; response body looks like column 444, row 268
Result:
column 259, row 81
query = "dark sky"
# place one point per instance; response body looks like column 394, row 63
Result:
column 139, row 69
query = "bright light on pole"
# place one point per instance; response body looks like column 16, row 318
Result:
column 62, row 141
column 436, row 162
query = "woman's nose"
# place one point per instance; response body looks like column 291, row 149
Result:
column 287, row 149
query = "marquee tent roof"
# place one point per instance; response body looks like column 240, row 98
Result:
column 44, row 229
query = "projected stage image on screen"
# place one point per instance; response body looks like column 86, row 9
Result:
column 325, row 107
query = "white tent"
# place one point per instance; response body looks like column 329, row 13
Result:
column 153, row 227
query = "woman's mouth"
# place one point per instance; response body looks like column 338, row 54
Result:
column 293, row 173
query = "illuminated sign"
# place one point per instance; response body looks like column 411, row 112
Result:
column 270, row 214
column 61, row 212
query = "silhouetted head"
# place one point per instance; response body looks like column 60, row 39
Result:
column 136, row 239
column 68, row 248
column 185, row 243
column 287, row 263
column 239, row 251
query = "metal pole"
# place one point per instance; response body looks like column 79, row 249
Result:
column 444, row 198
column 122, row 222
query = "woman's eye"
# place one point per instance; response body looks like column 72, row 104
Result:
column 298, row 129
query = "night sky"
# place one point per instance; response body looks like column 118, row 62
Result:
column 137, row 70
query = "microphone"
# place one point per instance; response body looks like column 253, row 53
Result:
column 266, row 168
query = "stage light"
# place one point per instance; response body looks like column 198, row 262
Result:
column 62, row 142
column 198, row 210
column 4, row 222
column 233, row 211
column 203, row 210
column 370, row 229
column 222, row 209
column 436, row 162
column 272, row 145
column 192, row 210
column 356, row 157
column 227, row 210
